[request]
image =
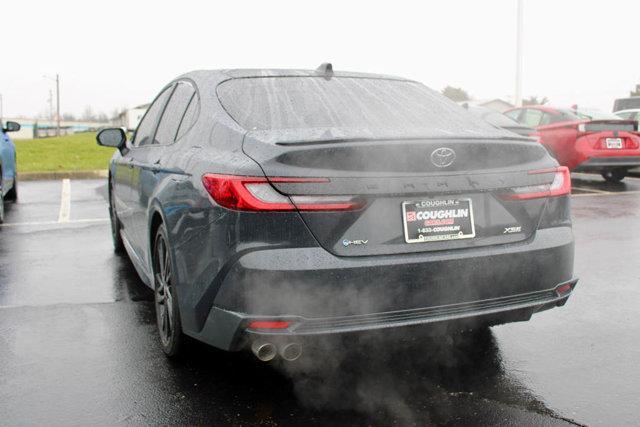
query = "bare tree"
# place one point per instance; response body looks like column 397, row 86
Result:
column 456, row 94
column 115, row 113
column 533, row 100
column 88, row 115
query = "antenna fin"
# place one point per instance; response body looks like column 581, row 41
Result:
column 326, row 69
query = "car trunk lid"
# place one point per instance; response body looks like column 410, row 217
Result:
column 395, row 177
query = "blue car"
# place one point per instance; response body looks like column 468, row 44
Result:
column 8, row 180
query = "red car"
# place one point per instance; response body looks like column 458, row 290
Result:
column 585, row 140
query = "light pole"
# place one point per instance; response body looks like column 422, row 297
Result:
column 57, row 80
column 57, row 105
column 518, row 97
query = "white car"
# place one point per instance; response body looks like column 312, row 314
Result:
column 630, row 114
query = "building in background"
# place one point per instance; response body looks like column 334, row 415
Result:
column 44, row 128
column 130, row 118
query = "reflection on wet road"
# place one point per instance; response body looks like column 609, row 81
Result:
column 78, row 341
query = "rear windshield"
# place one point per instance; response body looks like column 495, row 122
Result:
column 593, row 114
column 495, row 118
column 389, row 106
column 501, row 120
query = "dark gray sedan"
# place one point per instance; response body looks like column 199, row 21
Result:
column 265, row 207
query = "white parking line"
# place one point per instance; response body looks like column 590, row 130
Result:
column 37, row 223
column 65, row 201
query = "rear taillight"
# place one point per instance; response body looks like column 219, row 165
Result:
column 269, row 324
column 251, row 193
column 560, row 186
column 563, row 289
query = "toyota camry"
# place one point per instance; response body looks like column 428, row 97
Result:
column 266, row 207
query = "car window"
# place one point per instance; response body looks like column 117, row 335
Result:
column 567, row 115
column 499, row 119
column 626, row 115
column 146, row 128
column 173, row 113
column 547, row 118
column 352, row 105
column 514, row 114
column 190, row 116
column 531, row 117
column 593, row 114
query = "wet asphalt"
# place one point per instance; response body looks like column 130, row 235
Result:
column 78, row 343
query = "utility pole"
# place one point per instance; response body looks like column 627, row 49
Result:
column 57, row 105
column 518, row 97
column 57, row 80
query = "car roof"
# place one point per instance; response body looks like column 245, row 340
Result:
column 243, row 73
column 214, row 77
column 628, row 110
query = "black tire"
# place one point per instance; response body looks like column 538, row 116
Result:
column 118, row 245
column 614, row 175
column 168, row 320
column 12, row 195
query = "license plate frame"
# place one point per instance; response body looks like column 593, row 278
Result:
column 440, row 225
column 613, row 143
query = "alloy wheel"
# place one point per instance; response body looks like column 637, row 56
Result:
column 164, row 292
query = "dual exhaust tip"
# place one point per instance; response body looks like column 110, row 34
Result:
column 266, row 351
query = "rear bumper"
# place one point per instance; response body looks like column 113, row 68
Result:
column 596, row 164
column 323, row 294
column 233, row 326
column 524, row 305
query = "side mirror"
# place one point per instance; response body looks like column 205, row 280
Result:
column 11, row 127
column 112, row 137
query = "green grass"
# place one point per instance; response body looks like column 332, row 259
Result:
column 78, row 152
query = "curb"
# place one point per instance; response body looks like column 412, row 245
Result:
column 45, row 176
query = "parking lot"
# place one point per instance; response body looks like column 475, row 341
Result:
column 78, row 341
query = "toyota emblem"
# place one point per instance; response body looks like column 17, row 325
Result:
column 443, row 157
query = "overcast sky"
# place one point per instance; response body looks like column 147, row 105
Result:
column 113, row 54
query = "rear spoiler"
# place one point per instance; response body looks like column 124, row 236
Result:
column 615, row 125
